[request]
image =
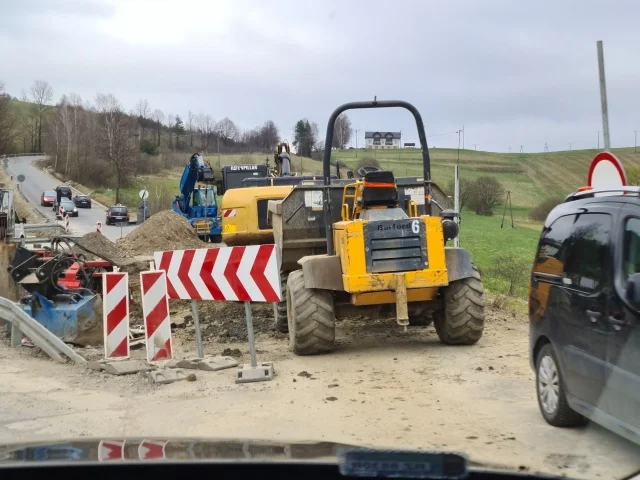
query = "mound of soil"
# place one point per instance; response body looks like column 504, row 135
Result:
column 225, row 321
column 163, row 231
column 100, row 245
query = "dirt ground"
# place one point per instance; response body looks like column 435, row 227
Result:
column 380, row 387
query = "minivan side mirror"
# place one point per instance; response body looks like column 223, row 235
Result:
column 633, row 289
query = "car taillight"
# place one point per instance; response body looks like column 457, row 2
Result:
column 127, row 214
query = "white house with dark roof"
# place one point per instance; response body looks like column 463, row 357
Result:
column 382, row 139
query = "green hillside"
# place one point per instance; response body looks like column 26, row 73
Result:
column 529, row 176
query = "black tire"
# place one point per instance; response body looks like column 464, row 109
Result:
column 462, row 321
column 312, row 321
column 561, row 415
column 280, row 308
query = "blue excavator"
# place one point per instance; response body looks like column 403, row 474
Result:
column 197, row 201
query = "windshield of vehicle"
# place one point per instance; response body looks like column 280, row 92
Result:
column 49, row 194
column 458, row 286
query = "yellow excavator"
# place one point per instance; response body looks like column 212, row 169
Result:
column 244, row 210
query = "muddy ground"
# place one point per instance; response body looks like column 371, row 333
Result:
column 380, row 387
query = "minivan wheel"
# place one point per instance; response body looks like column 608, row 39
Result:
column 551, row 392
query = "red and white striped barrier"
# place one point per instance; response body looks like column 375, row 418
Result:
column 152, row 449
column 229, row 212
column 66, row 223
column 155, row 310
column 110, row 450
column 239, row 274
column 115, row 306
column 99, row 227
column 60, row 210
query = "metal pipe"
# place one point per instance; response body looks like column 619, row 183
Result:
column 603, row 98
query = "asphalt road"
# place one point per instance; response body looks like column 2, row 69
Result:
column 37, row 181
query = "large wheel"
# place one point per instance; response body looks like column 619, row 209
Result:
column 280, row 308
column 462, row 321
column 551, row 393
column 312, row 321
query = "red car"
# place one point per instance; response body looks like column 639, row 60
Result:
column 47, row 199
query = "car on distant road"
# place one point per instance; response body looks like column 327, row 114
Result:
column 117, row 214
column 48, row 198
column 83, row 201
column 67, row 207
column 64, row 191
column 584, row 313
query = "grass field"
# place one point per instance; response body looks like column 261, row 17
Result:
column 530, row 177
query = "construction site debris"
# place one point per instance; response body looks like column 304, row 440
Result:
column 169, row 376
column 100, row 245
column 225, row 321
column 120, row 367
column 165, row 230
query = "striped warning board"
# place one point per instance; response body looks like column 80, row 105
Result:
column 152, row 449
column 155, row 310
column 115, row 309
column 111, row 450
column 239, row 274
column 229, row 212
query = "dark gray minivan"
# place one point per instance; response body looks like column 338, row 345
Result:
column 584, row 312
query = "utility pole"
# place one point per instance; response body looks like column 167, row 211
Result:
column 603, row 98
column 458, row 132
column 475, row 146
column 570, row 143
column 357, row 142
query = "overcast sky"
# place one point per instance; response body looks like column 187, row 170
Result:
column 512, row 72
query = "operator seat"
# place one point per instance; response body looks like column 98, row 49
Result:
column 380, row 197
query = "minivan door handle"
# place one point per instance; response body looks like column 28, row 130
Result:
column 616, row 321
column 593, row 315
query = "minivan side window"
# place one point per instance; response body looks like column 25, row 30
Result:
column 631, row 263
column 588, row 247
column 552, row 245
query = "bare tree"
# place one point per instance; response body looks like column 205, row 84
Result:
column 169, row 124
column 65, row 116
column 206, row 126
column 8, row 121
column 191, row 123
column 269, row 135
column 115, row 142
column 41, row 95
column 226, row 130
column 143, row 110
column 158, row 118
column 342, row 131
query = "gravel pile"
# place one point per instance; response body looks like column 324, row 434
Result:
column 163, row 231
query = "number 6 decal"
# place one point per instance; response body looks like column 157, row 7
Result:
column 415, row 226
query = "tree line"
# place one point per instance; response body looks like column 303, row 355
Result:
column 98, row 142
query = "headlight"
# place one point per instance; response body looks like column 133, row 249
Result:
column 75, row 209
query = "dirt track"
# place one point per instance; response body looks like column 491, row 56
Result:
column 380, row 387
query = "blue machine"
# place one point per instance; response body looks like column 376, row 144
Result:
column 198, row 202
column 73, row 317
